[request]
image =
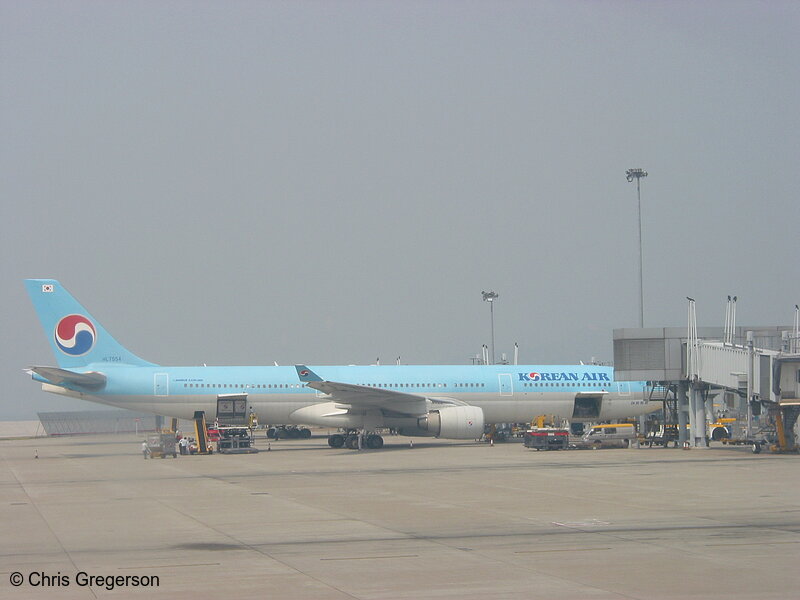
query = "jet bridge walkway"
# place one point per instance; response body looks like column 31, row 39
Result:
column 757, row 368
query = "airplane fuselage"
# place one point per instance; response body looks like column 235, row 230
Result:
column 505, row 393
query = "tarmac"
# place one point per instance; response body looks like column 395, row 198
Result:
column 441, row 520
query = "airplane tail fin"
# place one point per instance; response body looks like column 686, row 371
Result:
column 77, row 339
column 306, row 375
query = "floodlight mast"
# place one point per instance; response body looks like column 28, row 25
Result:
column 630, row 175
column 490, row 297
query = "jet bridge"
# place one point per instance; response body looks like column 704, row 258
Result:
column 756, row 367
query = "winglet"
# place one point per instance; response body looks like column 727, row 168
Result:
column 306, row 375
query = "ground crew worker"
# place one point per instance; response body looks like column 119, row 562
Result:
column 145, row 450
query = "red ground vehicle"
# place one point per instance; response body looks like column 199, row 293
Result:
column 547, row 439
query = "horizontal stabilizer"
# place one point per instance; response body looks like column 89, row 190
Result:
column 58, row 376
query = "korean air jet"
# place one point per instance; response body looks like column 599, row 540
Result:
column 453, row 402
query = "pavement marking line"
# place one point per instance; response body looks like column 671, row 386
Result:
column 564, row 550
column 167, row 566
column 753, row 544
column 373, row 557
column 578, row 524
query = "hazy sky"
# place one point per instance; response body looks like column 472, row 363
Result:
column 333, row 182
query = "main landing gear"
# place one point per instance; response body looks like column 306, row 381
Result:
column 288, row 432
column 350, row 439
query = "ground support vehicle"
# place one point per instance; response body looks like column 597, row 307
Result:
column 755, row 443
column 617, row 435
column 721, row 429
column 774, row 434
column 235, row 440
column 662, row 437
column 162, row 445
column 547, row 439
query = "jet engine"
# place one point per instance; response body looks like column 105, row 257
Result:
column 454, row 422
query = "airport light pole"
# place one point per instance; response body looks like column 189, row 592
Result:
column 630, row 175
column 490, row 297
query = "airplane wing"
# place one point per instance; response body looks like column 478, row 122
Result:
column 363, row 397
column 58, row 376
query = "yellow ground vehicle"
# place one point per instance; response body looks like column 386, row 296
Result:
column 720, row 429
column 162, row 445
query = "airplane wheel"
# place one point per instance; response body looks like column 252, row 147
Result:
column 305, row 434
column 351, row 442
column 272, row 433
column 374, row 442
column 336, row 440
column 756, row 448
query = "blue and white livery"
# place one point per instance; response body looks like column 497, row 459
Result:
column 454, row 401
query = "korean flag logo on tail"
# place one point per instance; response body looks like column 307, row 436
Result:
column 75, row 335
column 47, row 288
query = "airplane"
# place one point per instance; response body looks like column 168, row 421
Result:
column 451, row 402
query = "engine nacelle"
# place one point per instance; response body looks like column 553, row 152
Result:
column 454, row 422
column 327, row 414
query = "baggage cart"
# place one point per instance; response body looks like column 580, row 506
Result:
column 162, row 445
